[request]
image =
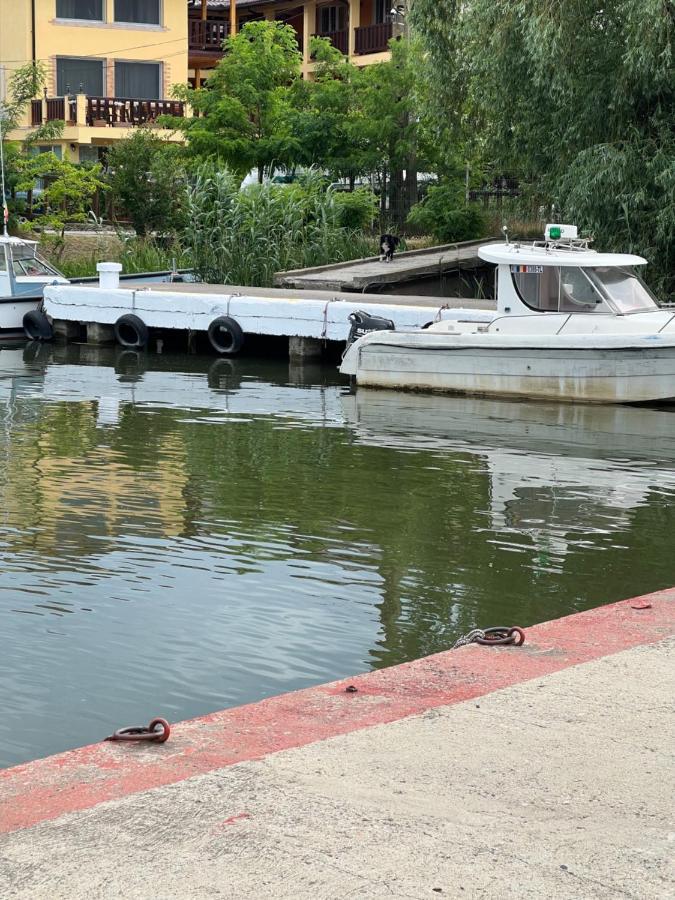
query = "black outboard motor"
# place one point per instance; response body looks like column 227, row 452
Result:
column 363, row 322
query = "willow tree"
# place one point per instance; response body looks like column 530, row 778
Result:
column 576, row 97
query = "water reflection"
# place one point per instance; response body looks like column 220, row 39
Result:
column 179, row 534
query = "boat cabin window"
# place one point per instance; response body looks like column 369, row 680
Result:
column 557, row 289
column 3, row 260
column 26, row 262
column 624, row 288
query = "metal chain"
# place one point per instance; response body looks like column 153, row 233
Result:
column 492, row 637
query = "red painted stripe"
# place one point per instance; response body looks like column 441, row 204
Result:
column 79, row 779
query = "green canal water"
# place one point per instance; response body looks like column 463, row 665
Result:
column 182, row 534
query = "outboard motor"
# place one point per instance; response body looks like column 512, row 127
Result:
column 363, row 322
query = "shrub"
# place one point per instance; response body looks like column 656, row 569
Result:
column 356, row 209
column 443, row 215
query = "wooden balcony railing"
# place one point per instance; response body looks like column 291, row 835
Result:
column 206, row 34
column 373, row 38
column 339, row 39
column 112, row 111
column 119, row 112
column 56, row 108
column 62, row 109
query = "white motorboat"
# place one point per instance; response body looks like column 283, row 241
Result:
column 23, row 277
column 571, row 324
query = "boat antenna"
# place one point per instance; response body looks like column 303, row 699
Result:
column 5, row 211
column 505, row 229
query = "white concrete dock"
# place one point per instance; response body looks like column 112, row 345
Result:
column 315, row 315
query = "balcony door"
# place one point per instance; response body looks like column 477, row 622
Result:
column 332, row 19
column 137, row 81
column 80, row 75
column 382, row 11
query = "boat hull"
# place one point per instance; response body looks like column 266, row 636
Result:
column 12, row 311
column 607, row 371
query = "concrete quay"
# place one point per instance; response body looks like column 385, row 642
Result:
column 544, row 770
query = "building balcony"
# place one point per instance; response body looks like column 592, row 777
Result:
column 103, row 112
column 207, row 36
column 373, row 38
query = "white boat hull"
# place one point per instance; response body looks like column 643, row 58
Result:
column 602, row 369
column 12, row 311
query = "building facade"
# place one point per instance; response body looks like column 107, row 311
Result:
column 111, row 64
column 361, row 29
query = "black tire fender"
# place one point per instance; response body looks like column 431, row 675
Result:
column 226, row 336
column 131, row 332
column 37, row 326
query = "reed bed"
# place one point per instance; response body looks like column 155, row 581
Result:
column 237, row 236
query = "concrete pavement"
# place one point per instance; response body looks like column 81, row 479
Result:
column 560, row 785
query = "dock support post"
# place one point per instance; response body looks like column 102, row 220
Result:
column 100, row 334
column 300, row 348
column 65, row 330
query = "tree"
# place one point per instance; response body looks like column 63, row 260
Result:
column 244, row 112
column 576, row 98
column 147, row 180
column 68, row 193
column 388, row 105
column 328, row 121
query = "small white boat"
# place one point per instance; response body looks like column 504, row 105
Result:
column 571, row 324
column 23, row 276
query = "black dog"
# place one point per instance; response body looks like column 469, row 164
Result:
column 388, row 243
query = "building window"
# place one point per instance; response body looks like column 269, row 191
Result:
column 91, row 154
column 137, row 81
column 332, row 18
column 141, row 12
column 75, row 76
column 80, row 9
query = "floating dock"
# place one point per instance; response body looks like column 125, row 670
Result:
column 308, row 319
column 492, row 772
column 371, row 274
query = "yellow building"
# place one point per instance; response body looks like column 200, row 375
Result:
column 361, row 29
column 110, row 65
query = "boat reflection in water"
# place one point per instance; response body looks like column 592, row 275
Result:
column 557, row 472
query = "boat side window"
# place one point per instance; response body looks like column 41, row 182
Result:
column 577, row 291
column 557, row 289
column 3, row 261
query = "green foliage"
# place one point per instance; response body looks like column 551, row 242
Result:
column 577, row 98
column 244, row 116
column 69, row 189
column 137, row 255
column 443, row 214
column 244, row 236
column 25, row 83
column 148, row 182
column 355, row 209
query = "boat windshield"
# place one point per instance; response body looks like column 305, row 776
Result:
column 623, row 287
column 25, row 261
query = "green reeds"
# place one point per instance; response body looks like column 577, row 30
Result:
column 244, row 236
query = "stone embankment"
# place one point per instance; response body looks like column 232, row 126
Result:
column 533, row 771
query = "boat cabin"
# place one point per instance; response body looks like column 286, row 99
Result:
column 566, row 276
column 22, row 270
